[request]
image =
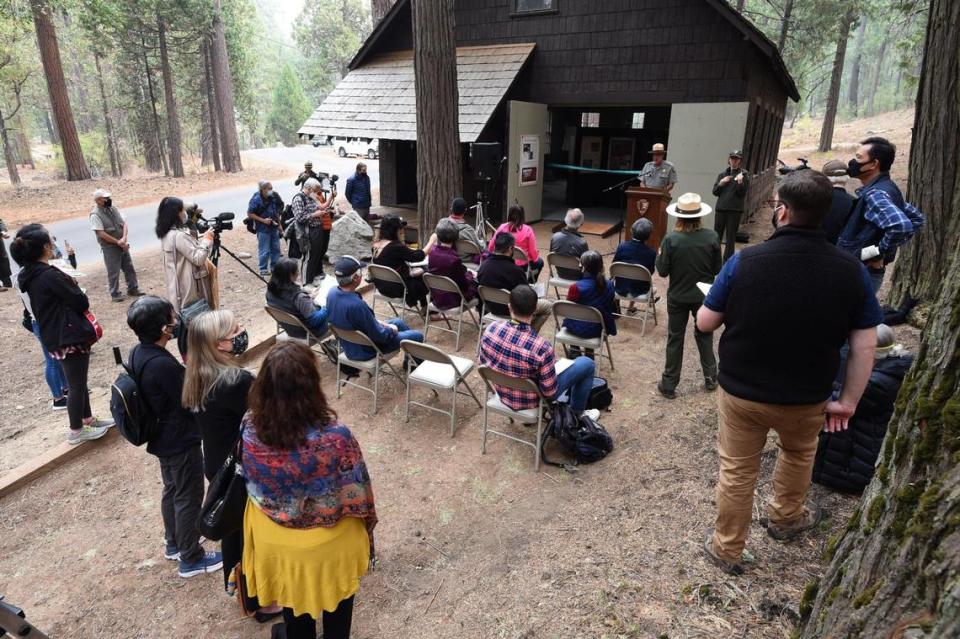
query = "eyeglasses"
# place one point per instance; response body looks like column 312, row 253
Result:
column 775, row 204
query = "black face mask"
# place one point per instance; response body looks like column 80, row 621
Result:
column 239, row 343
column 854, row 168
column 107, row 203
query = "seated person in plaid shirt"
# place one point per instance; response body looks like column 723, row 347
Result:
column 515, row 349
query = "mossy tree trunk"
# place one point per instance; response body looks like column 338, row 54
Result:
column 897, row 565
column 934, row 183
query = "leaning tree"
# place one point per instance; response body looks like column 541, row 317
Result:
column 934, row 183
column 439, row 174
column 895, row 570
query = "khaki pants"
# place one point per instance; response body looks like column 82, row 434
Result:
column 743, row 432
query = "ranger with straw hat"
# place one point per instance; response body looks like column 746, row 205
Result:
column 658, row 174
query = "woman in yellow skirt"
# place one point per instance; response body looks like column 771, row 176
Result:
column 308, row 526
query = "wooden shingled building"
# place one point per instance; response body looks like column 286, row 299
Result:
column 576, row 92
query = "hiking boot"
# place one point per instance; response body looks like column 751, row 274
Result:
column 210, row 562
column 59, row 404
column 812, row 517
column 117, row 298
column 726, row 566
column 86, row 433
column 592, row 413
column 171, row 552
column 331, row 349
column 710, row 384
column 669, row 394
column 135, row 293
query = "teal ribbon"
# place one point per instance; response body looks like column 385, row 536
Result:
column 587, row 169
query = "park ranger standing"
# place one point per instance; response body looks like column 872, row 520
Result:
column 658, row 173
column 110, row 227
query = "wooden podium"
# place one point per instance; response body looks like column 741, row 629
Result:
column 651, row 204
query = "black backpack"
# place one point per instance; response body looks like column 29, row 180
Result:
column 134, row 419
column 582, row 438
column 601, row 397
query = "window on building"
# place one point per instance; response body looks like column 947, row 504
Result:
column 534, row 6
column 638, row 120
column 590, row 119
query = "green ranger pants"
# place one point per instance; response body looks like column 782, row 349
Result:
column 677, row 315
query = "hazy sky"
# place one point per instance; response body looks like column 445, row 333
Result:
column 287, row 12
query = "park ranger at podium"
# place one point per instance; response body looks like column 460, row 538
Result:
column 658, row 173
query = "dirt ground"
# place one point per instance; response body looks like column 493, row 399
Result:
column 41, row 199
column 470, row 545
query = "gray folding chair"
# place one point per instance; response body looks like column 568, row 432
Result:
column 284, row 319
column 469, row 249
column 496, row 295
column 637, row 273
column 556, row 260
column 443, row 283
column 564, row 310
column 492, row 404
column 437, row 371
column 371, row 366
column 385, row 274
column 519, row 255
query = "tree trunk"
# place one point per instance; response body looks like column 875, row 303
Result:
column 211, row 106
column 833, row 96
column 57, row 88
column 8, row 157
column 379, row 8
column 785, row 25
column 853, row 93
column 23, row 144
column 895, row 571
column 153, row 105
column 223, row 85
column 875, row 84
column 934, row 182
column 115, row 166
column 173, row 118
column 439, row 176
column 51, row 128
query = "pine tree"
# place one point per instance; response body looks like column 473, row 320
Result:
column 290, row 107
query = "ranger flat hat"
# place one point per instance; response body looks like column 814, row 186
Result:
column 659, row 148
column 688, row 206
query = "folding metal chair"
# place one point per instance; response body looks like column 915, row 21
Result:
column 284, row 319
column 371, row 366
column 636, row 273
column 571, row 310
column 386, row 275
column 489, row 294
column 468, row 249
column 493, row 404
column 555, row 261
column 437, row 371
column 520, row 255
column 443, row 283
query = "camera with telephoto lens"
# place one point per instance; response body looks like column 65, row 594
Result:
column 333, row 184
column 221, row 222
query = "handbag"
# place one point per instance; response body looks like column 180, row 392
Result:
column 94, row 324
column 222, row 510
column 189, row 312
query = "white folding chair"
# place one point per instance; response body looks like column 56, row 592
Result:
column 468, row 250
column 437, row 371
column 371, row 366
column 555, row 261
column 636, row 273
column 571, row 310
column 285, row 319
column 492, row 404
column 445, row 284
column 519, row 255
column 386, row 275
column 496, row 295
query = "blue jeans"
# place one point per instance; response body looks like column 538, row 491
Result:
column 268, row 247
column 405, row 331
column 53, row 371
column 876, row 277
column 578, row 379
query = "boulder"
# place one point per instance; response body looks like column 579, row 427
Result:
column 350, row 235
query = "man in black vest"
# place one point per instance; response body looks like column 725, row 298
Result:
column 788, row 305
column 110, row 227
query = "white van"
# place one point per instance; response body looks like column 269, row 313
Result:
column 363, row 147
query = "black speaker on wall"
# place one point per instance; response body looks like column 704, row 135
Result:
column 485, row 160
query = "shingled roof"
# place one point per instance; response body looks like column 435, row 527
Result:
column 377, row 99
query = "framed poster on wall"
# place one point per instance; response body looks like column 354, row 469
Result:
column 620, row 155
column 529, row 160
column 591, row 151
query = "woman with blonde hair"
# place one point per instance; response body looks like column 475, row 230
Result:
column 215, row 390
column 308, row 526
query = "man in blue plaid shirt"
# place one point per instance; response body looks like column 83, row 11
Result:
column 881, row 220
column 515, row 349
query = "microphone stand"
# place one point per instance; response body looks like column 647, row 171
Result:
column 622, row 186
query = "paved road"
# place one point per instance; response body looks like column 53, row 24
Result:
column 141, row 219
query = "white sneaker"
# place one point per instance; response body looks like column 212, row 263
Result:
column 592, row 413
column 86, row 433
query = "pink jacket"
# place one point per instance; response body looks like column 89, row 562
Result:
column 525, row 237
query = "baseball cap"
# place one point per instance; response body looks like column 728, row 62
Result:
column 101, row 193
column 736, row 154
column 458, row 205
column 347, row 266
column 835, row 168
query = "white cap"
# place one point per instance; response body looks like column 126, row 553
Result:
column 101, row 193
